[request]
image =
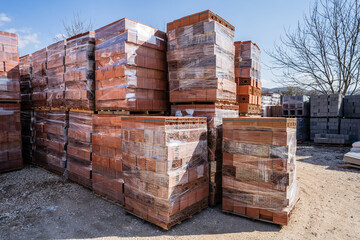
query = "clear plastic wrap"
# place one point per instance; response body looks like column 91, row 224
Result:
column 165, row 167
column 9, row 67
column 25, row 81
column 107, row 164
column 214, row 114
column 201, row 63
column 79, row 76
column 27, row 134
column 10, row 137
column 79, row 148
column 39, row 81
column 130, row 67
column 259, row 168
column 55, row 69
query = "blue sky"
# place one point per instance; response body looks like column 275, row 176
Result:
column 262, row 21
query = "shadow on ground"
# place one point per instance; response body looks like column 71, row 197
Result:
column 42, row 205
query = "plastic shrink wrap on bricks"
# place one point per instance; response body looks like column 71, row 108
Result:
column 214, row 114
column 25, row 81
column 39, row 80
column 130, row 67
column 165, row 167
column 79, row 74
column 259, row 168
column 79, row 148
column 10, row 137
column 9, row 67
column 55, row 69
column 201, row 61
column 107, row 165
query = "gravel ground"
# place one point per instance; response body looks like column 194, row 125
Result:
column 36, row 204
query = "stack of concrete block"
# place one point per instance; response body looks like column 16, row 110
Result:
column 165, row 168
column 79, row 74
column 352, row 106
column 333, row 139
column 296, row 106
column 79, row 148
column 302, row 129
column 55, row 69
column 324, row 125
column 350, row 127
column 326, row 105
column 130, row 67
column 39, row 80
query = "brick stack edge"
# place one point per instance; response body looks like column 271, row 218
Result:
column 248, row 77
column 201, row 80
column 79, row 147
column 107, row 173
column 259, row 168
column 10, row 125
column 165, row 167
column 130, row 67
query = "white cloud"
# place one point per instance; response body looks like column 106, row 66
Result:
column 26, row 37
column 4, row 18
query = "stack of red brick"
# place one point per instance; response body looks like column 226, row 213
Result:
column 248, row 77
column 79, row 74
column 130, row 67
column 201, row 79
column 10, row 126
column 259, row 168
column 165, row 167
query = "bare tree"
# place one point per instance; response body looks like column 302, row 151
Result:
column 322, row 54
column 76, row 26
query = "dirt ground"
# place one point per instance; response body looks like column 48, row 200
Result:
column 35, row 204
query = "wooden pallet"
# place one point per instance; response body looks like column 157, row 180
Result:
column 264, row 215
column 87, row 183
column 349, row 165
column 185, row 214
column 110, row 200
column 126, row 112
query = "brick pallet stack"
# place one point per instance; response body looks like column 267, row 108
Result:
column 273, row 111
column 55, row 69
column 201, row 79
column 79, row 74
column 27, row 114
column 248, row 77
column 79, row 148
column 165, row 168
column 39, row 80
column 350, row 125
column 10, row 126
column 325, row 112
column 107, row 174
column 57, row 121
column 259, row 170
column 10, row 137
column 299, row 108
column 130, row 67
column 25, row 81
column 40, row 138
column 79, row 80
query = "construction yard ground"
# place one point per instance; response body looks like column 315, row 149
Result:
column 36, row 204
